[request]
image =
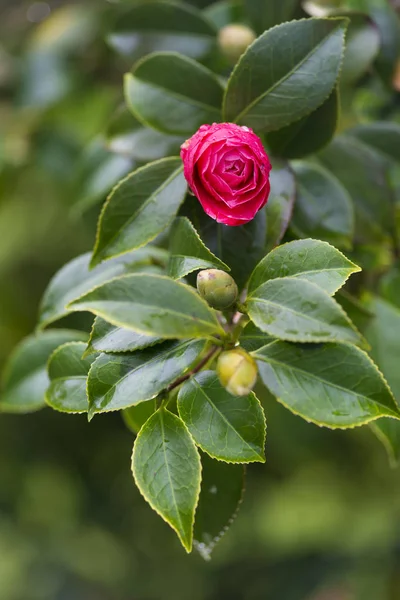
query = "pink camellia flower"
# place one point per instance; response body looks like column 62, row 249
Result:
column 228, row 170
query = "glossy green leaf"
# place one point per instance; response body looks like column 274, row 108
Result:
column 383, row 333
column 297, row 310
column 68, row 375
column 228, row 428
column 187, row 251
column 136, row 416
column 264, row 14
column 336, row 385
column 270, row 89
column 167, row 470
column 173, row 94
column 76, row 278
column 152, row 26
column 105, row 337
column 152, row 305
column 381, row 136
column 363, row 174
column 280, row 204
column 222, row 488
column 139, row 208
column 253, row 338
column 323, row 207
column 313, row 260
column 25, row 377
column 309, row 134
column 239, row 247
column 362, row 46
column 118, row 381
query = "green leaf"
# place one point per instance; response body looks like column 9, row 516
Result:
column 68, row 375
column 362, row 46
column 309, row 134
column 76, row 278
column 313, row 260
column 228, row 428
column 127, row 136
column 167, row 470
column 386, row 19
column 388, row 432
column 288, row 72
column 105, row 337
column 336, row 385
column 239, row 247
column 361, row 171
column 187, row 251
column 118, row 381
column 297, row 310
column 280, row 203
column 155, row 25
column 222, row 489
column 152, row 305
column 264, row 14
column 25, row 378
column 136, row 416
column 243, row 247
column 139, row 208
column 253, row 338
column 383, row 137
column 383, row 333
column 323, row 207
column 173, row 94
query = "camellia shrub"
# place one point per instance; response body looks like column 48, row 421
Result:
column 217, row 271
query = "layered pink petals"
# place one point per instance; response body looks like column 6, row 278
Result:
column 228, row 170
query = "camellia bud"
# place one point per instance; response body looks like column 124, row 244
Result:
column 234, row 39
column 237, row 371
column 217, row 288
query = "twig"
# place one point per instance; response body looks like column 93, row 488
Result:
column 195, row 369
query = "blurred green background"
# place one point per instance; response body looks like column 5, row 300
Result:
column 321, row 521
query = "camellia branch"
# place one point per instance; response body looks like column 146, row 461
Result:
column 195, row 369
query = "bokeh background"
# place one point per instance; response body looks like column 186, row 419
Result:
column 320, row 521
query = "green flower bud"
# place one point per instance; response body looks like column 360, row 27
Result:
column 233, row 41
column 217, row 288
column 237, row 371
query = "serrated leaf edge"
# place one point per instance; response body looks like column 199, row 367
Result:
column 344, row 20
column 320, row 423
column 206, row 554
column 96, row 259
column 93, row 412
column 119, row 324
column 189, row 547
column 217, row 262
column 261, row 458
column 46, row 397
column 289, row 338
column 353, row 268
column 128, row 77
